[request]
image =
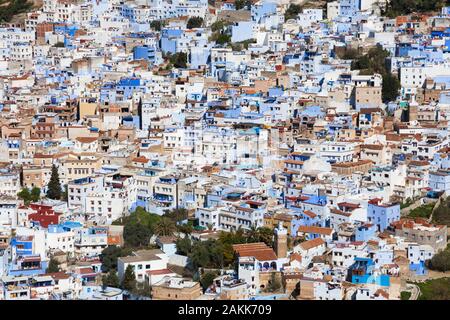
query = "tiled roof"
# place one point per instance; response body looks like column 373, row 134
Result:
column 259, row 250
column 312, row 243
column 314, row 229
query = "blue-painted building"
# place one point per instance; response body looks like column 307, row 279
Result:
column 169, row 39
column 418, row 268
column 145, row 53
column 22, row 245
column 28, row 265
column 242, row 30
column 361, row 272
column 365, row 232
column 258, row 11
column 382, row 214
column 129, row 85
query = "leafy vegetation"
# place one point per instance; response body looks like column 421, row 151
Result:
column 242, row 4
column 143, row 289
column 220, row 38
column 29, row 197
column 391, row 85
column 129, row 279
column 436, row 289
column 219, row 34
column 406, row 204
column 165, row 227
column 292, row 11
column 405, row 295
column 177, row 215
column 140, row 225
column 111, row 279
column 109, row 256
column 442, row 213
column 262, row 234
column 440, row 261
column 219, row 25
column 53, row 266
column 13, row 8
column 423, row 211
column 207, row 279
column 54, row 186
column 157, row 25
column 219, row 253
column 375, row 62
column 238, row 46
column 178, row 60
column 346, row 53
column 403, row 7
column 274, row 283
column 194, row 22
column 372, row 62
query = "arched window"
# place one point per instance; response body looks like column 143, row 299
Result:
column 273, row 265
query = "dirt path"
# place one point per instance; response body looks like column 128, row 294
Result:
column 415, row 291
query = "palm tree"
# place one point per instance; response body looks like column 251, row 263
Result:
column 165, row 227
column 253, row 234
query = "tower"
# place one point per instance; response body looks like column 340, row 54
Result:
column 280, row 241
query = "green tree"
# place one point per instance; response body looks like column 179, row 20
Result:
column 184, row 246
column 274, row 284
column 440, row 261
column 253, row 234
column 54, row 185
column 138, row 227
column 185, row 228
column 403, row 7
column 53, row 266
column 375, row 62
column 109, row 256
column 13, row 8
column 242, row 4
column 200, row 254
column 136, row 235
column 65, row 194
column 218, row 25
column 111, row 279
column 35, row 194
column 156, row 25
column 265, row 235
column 143, row 290
column 129, row 279
column 223, row 38
column 390, row 88
column 292, row 11
column 346, row 53
column 207, row 279
column 442, row 213
column 165, row 227
column 25, row 195
column 179, row 60
column 194, row 22
column 177, row 215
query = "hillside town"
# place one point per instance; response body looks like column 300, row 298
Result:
column 225, row 150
